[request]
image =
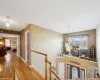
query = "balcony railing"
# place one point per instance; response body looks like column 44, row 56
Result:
column 48, row 67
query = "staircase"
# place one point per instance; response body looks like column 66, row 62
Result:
column 20, row 74
column 24, row 72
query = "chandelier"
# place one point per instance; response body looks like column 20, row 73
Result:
column 7, row 21
column 68, row 46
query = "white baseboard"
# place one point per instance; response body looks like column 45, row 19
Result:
column 21, row 58
column 33, row 66
column 25, row 61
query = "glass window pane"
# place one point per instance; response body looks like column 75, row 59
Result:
column 7, row 42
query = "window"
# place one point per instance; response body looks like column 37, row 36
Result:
column 79, row 41
column 74, row 73
column 7, row 42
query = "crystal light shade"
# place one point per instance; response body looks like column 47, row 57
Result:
column 7, row 21
column 68, row 47
column 7, row 24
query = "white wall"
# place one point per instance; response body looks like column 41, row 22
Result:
column 98, row 45
column 61, row 70
column 45, row 41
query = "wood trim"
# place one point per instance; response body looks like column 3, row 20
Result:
column 46, row 68
column 46, row 59
column 50, row 67
column 39, row 52
column 55, row 74
column 37, row 74
column 53, row 68
column 9, row 31
column 17, row 71
column 48, row 62
column 50, row 71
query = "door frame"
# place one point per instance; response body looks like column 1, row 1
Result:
column 77, row 66
column 26, row 45
column 18, row 41
column 18, row 45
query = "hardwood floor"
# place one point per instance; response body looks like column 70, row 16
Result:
column 6, row 66
column 7, row 71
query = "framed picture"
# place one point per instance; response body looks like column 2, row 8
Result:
column 78, row 41
column 14, row 41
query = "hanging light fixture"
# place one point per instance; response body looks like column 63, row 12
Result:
column 7, row 21
column 68, row 30
column 68, row 46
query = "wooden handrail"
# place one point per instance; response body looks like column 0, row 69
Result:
column 48, row 62
column 17, row 71
column 39, row 52
column 46, row 68
column 6, row 79
column 55, row 74
column 50, row 67
column 87, row 79
column 51, row 71
column 45, row 61
column 53, row 68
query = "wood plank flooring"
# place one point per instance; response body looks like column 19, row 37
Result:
column 6, row 68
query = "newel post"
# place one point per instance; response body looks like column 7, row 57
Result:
column 50, row 72
column 46, row 67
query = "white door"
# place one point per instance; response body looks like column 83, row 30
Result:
column 27, row 46
column 74, row 73
column 61, row 70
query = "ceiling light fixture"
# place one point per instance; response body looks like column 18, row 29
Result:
column 7, row 21
column 67, row 44
column 68, row 30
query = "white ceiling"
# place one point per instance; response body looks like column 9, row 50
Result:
column 56, row 15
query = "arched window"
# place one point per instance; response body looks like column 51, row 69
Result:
column 74, row 73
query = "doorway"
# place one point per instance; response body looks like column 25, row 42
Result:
column 74, row 72
column 11, row 42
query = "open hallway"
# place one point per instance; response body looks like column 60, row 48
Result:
column 7, row 70
column 50, row 40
